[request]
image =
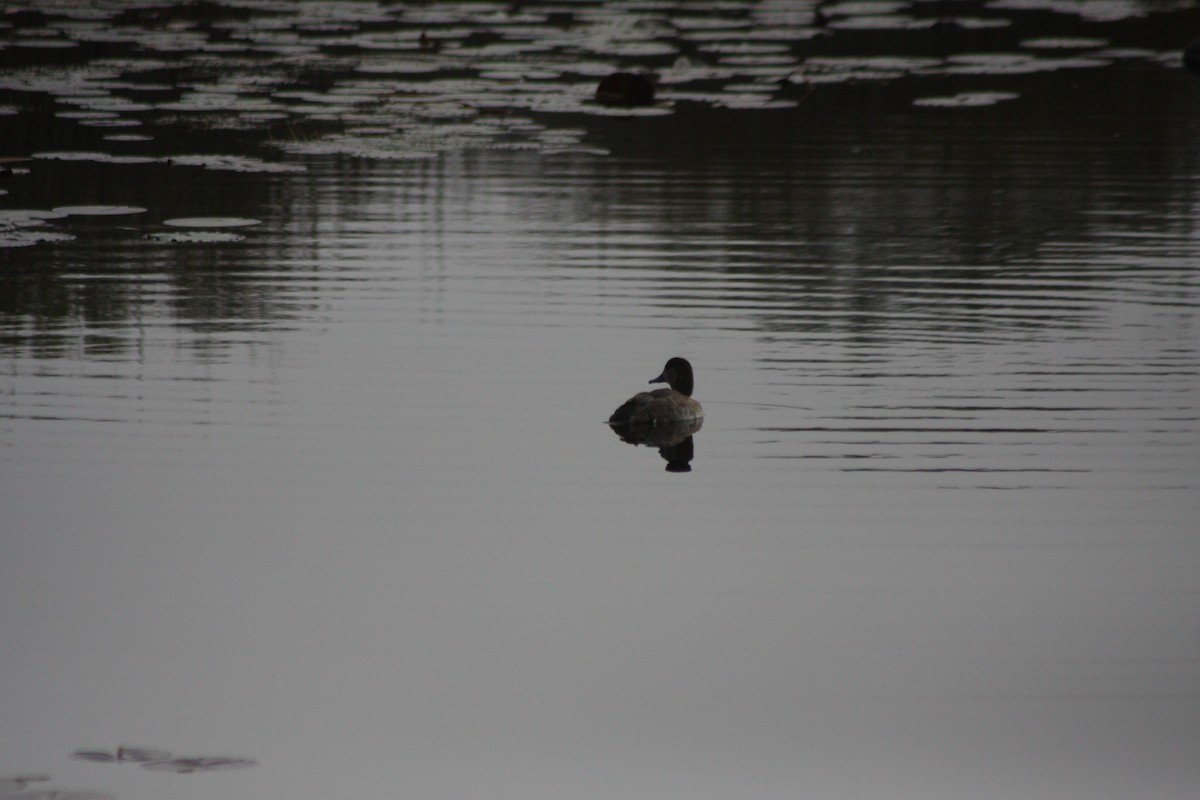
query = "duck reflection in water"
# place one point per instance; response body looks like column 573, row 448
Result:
column 663, row 418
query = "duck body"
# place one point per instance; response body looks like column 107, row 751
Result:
column 657, row 409
column 662, row 408
column 625, row 89
column 1191, row 57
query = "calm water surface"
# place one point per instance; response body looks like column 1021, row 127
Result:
column 332, row 491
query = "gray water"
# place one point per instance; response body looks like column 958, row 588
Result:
column 303, row 458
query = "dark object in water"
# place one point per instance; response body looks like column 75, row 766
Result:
column 625, row 89
column 5, row 162
column 162, row 760
column 124, row 753
column 662, row 407
column 793, row 90
column 1191, row 57
column 185, row 766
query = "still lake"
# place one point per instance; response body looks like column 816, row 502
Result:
column 303, row 458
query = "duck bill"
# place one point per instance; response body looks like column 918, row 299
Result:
column 660, row 379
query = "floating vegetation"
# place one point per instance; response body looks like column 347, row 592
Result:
column 194, row 237
column 56, row 794
column 45, row 44
column 86, row 114
column 867, row 67
column 122, row 754
column 162, row 760
column 1092, row 10
column 25, row 227
column 27, row 238
column 73, row 156
column 100, row 756
column 396, row 67
column 748, row 101
column 966, row 100
column 110, row 123
column 376, row 80
column 1064, row 43
column 211, row 222
column 15, row 783
column 185, row 766
column 98, row 210
column 22, row 217
column 374, row 148
column 978, row 23
column 7, row 168
column 1015, row 64
column 623, row 111
column 99, row 158
column 883, row 23
column 230, row 163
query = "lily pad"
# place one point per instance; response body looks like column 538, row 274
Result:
column 24, row 217
column 110, row 123
column 195, row 237
column 46, row 44
column 30, row 238
column 212, row 222
column 1064, row 43
column 71, row 155
column 99, row 158
column 185, row 766
column 966, row 100
column 141, row 754
column 15, row 783
column 99, row 210
column 234, row 163
column 86, row 114
column 99, row 756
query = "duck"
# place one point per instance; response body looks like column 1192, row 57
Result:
column 1191, row 57
column 626, row 89
column 662, row 408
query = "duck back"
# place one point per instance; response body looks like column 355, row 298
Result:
column 656, row 409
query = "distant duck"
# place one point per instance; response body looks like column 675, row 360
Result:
column 662, row 408
column 626, row 89
column 1191, row 57
column 428, row 43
